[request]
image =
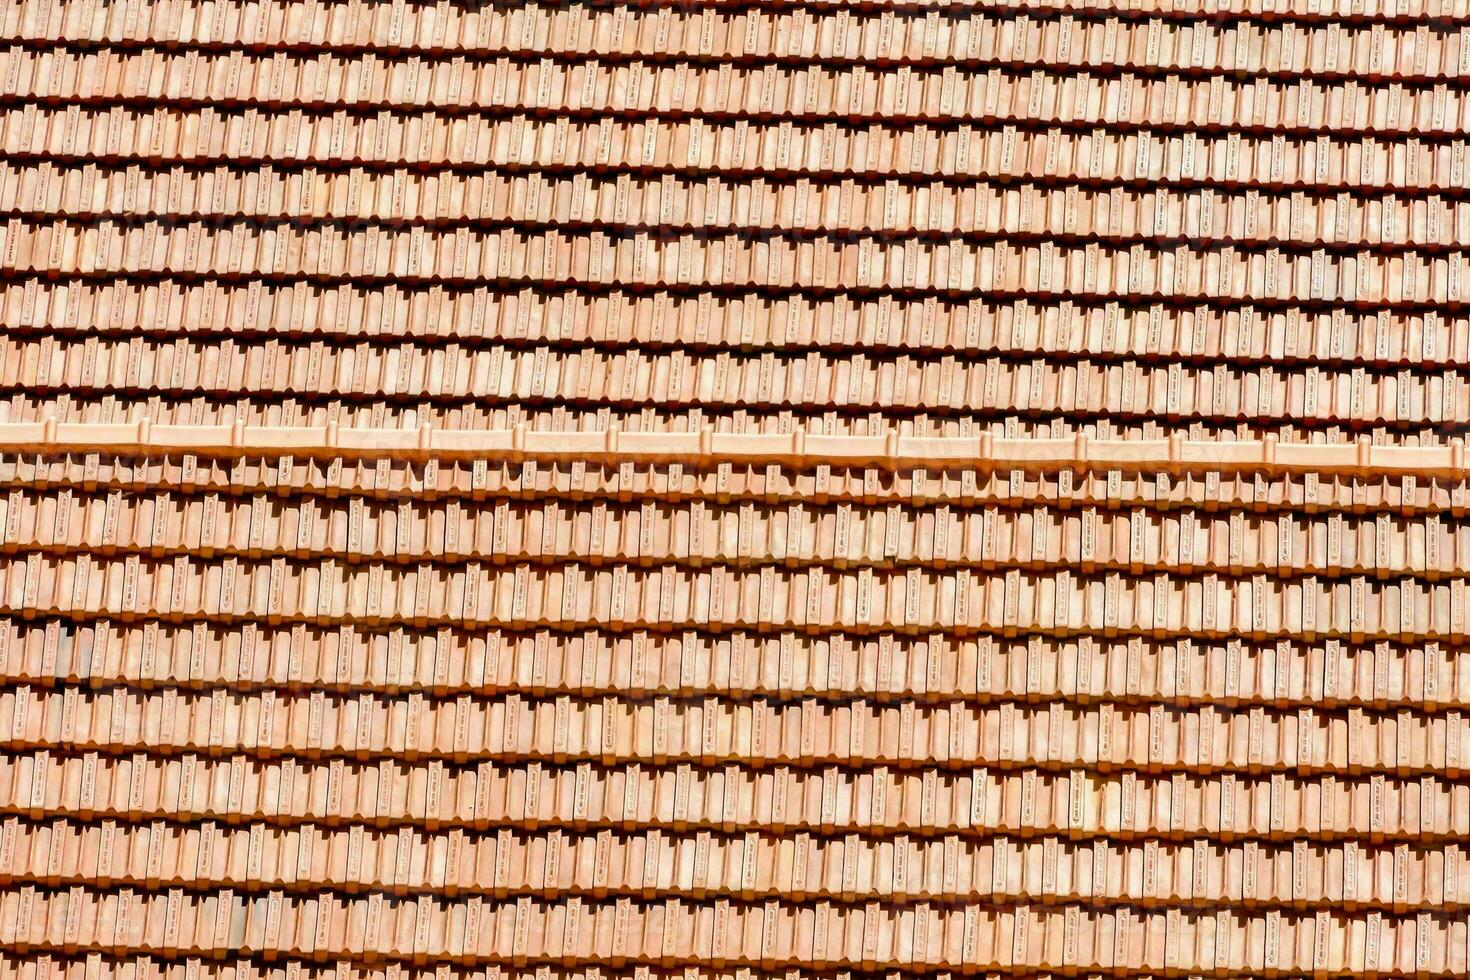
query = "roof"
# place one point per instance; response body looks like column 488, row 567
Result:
column 733, row 490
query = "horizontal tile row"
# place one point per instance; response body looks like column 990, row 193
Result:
column 803, row 34
column 700, row 532
column 951, row 870
column 920, row 937
column 864, row 480
column 42, row 191
column 1373, row 10
column 389, row 792
column 1396, row 11
column 33, row 407
column 756, row 733
column 430, row 318
column 805, row 91
column 29, row 407
column 891, row 32
column 781, row 666
column 919, row 152
column 728, row 380
column 50, row 965
column 574, row 595
column 719, row 261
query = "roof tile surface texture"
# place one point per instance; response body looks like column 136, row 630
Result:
column 464, row 506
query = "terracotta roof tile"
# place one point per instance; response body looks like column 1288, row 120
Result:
column 733, row 492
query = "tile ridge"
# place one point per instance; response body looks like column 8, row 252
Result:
column 891, row 450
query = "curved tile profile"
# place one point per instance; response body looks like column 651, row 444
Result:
column 709, row 491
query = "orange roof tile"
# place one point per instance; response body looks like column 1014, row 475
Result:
column 733, row 492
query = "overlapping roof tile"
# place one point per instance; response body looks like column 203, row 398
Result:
column 576, row 491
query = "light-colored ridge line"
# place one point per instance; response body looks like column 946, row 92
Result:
column 891, row 450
